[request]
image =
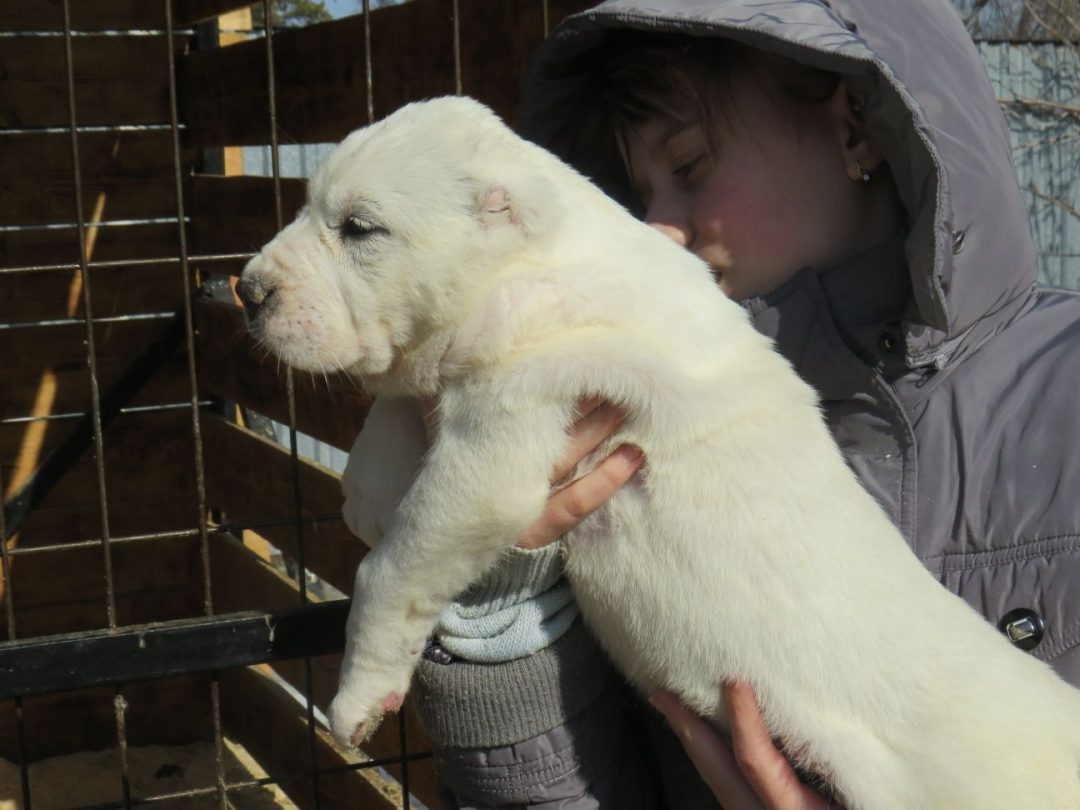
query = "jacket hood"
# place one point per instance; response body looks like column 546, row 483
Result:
column 928, row 103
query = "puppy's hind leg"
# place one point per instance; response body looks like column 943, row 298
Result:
column 483, row 484
column 873, row 777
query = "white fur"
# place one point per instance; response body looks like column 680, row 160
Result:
column 512, row 288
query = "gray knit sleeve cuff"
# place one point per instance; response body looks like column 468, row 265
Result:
column 518, row 608
column 467, row 705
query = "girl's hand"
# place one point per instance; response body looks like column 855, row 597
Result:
column 572, row 502
column 751, row 773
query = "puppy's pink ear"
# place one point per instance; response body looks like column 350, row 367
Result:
column 497, row 209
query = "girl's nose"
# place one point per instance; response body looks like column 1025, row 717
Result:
column 671, row 220
column 676, row 233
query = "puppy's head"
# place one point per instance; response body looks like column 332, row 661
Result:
column 405, row 220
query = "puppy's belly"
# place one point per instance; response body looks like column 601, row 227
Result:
column 639, row 610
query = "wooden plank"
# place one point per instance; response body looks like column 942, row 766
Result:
column 45, row 368
column 55, row 295
column 193, row 11
column 125, row 175
column 497, row 42
column 236, row 457
column 118, row 80
column 234, row 26
column 260, row 715
column 237, row 214
column 108, row 15
column 99, row 15
column 149, row 472
column 412, row 52
column 321, row 91
column 106, row 243
column 232, row 368
column 243, row 582
column 37, row 387
column 161, row 649
column 64, row 591
column 173, row 711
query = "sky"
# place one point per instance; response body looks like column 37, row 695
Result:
column 340, row 8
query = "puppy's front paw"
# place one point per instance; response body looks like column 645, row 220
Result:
column 352, row 722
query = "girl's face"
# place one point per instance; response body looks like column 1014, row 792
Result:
column 778, row 190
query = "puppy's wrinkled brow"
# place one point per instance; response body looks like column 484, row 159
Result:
column 354, row 206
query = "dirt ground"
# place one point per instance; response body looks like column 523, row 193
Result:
column 87, row 778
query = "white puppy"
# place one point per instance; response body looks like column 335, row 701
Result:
column 440, row 254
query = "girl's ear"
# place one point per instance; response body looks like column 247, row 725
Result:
column 861, row 156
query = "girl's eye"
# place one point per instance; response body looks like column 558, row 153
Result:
column 684, row 171
column 359, row 228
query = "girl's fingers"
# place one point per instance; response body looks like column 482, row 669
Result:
column 598, row 421
column 758, row 758
column 713, row 759
column 576, row 501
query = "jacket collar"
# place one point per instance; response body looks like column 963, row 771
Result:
column 839, row 326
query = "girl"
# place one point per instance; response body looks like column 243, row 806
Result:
column 843, row 167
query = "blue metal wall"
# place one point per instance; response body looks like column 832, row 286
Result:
column 1046, row 145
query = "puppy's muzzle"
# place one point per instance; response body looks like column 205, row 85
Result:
column 254, row 295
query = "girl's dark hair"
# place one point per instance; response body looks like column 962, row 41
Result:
column 586, row 105
column 642, row 75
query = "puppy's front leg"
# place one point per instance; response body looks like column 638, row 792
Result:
column 382, row 464
column 483, row 484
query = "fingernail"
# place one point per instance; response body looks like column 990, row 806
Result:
column 631, row 453
column 587, row 406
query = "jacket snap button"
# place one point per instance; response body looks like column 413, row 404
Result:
column 958, row 241
column 434, row 652
column 887, row 342
column 1023, row 627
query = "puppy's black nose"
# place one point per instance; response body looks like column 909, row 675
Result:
column 253, row 295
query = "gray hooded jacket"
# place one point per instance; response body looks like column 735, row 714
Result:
column 949, row 378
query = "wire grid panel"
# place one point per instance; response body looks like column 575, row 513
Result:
column 93, row 419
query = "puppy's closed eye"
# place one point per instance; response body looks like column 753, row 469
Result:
column 358, row 227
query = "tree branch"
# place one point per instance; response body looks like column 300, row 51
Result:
column 1060, row 203
column 1072, row 22
column 976, row 10
column 1040, row 104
